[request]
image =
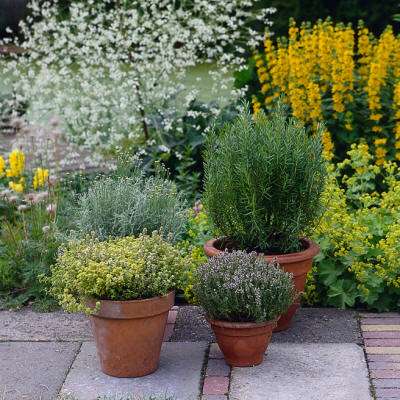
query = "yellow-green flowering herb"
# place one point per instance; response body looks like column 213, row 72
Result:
column 117, row 269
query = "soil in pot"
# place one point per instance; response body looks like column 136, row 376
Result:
column 299, row 264
column 129, row 334
column 243, row 344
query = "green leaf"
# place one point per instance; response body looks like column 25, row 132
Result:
column 342, row 293
column 328, row 271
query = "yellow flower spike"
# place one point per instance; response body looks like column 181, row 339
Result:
column 2, row 167
column 16, row 187
column 40, row 178
column 17, row 164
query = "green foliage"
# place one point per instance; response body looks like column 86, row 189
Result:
column 242, row 287
column 117, row 269
column 28, row 246
column 180, row 149
column 263, row 181
column 359, row 236
column 198, row 231
column 127, row 206
column 375, row 17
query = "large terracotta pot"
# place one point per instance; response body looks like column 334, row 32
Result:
column 129, row 334
column 243, row 344
column 299, row 264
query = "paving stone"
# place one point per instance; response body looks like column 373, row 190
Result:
column 379, row 315
column 385, row 373
column 34, row 371
column 169, row 330
column 377, row 328
column 217, row 367
column 382, row 342
column 384, row 365
column 172, row 316
column 379, row 321
column 382, row 350
column 383, row 357
column 304, row 371
column 381, row 335
column 215, row 351
column 394, row 393
column 215, row 385
column 178, row 375
column 386, row 383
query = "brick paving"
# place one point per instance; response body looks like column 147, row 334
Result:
column 217, row 376
column 381, row 334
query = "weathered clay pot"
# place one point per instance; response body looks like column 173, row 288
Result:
column 299, row 264
column 243, row 344
column 129, row 334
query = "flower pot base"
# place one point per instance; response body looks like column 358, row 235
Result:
column 129, row 335
column 243, row 344
column 285, row 320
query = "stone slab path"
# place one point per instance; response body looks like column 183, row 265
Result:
column 321, row 357
column 309, row 371
column 178, row 376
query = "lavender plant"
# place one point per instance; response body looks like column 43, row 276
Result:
column 113, row 69
column 243, row 287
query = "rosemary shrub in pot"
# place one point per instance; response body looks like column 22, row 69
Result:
column 243, row 295
column 264, row 176
column 126, row 286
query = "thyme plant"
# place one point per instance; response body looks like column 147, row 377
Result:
column 263, row 181
column 241, row 287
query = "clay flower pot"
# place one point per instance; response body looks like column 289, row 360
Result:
column 129, row 334
column 243, row 344
column 299, row 264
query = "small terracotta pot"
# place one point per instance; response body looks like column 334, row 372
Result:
column 243, row 344
column 129, row 334
column 299, row 264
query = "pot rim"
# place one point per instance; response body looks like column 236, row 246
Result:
column 241, row 325
column 130, row 309
column 310, row 252
column 150, row 299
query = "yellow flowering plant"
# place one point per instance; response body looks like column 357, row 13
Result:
column 359, row 236
column 15, row 176
column 348, row 78
column 126, row 268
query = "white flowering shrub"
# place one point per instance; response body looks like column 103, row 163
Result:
column 112, row 70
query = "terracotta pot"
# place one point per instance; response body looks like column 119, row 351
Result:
column 299, row 264
column 243, row 344
column 129, row 334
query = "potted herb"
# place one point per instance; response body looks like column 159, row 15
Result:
column 264, row 177
column 243, row 296
column 127, row 287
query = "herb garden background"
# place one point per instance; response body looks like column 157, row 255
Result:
column 107, row 111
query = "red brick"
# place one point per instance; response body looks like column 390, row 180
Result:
column 382, row 342
column 172, row 316
column 386, row 383
column 214, row 397
column 215, row 385
column 380, row 321
column 395, row 393
column 381, row 335
column 215, row 351
column 384, row 357
column 169, row 330
column 385, row 373
column 384, row 365
column 217, row 367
